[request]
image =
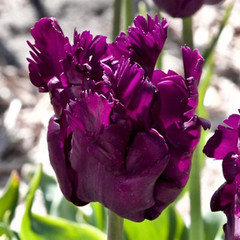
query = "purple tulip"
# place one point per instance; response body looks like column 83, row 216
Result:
column 182, row 8
column 224, row 144
column 123, row 133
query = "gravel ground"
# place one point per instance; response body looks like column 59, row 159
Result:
column 24, row 112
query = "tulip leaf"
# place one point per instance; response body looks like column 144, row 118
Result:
column 36, row 227
column 48, row 185
column 168, row 226
column 55, row 203
column 213, row 223
column 201, row 110
column 8, row 234
column 98, row 218
column 64, row 209
column 9, row 199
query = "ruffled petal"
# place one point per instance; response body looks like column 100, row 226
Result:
column 47, row 52
column 231, row 167
column 223, row 141
column 184, row 137
column 193, row 63
column 93, row 138
column 87, row 113
column 133, row 91
column 143, row 43
column 233, row 121
column 224, row 144
column 170, row 104
column 226, row 199
column 86, row 55
column 223, row 197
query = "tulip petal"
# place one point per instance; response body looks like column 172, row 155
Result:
column 59, row 161
column 193, row 63
column 87, row 113
column 179, row 8
column 231, row 167
column 233, row 121
column 123, row 134
column 223, row 141
column 48, row 51
column 223, row 197
column 143, row 43
column 172, row 97
column 184, row 138
column 135, row 93
column 171, row 182
column 146, row 150
column 120, row 193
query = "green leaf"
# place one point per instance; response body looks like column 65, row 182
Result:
column 213, row 223
column 177, row 228
column 128, row 13
column 9, row 199
column 168, row 226
column 59, row 229
column 49, row 187
column 8, row 234
column 156, row 229
column 36, row 227
column 98, row 217
column 208, row 72
column 117, row 6
column 61, row 207
column 55, row 203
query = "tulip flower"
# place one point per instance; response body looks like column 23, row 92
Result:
column 224, row 144
column 182, row 8
column 123, row 133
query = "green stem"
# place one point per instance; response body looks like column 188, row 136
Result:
column 129, row 13
column 116, row 18
column 196, row 227
column 187, row 33
column 115, row 226
column 159, row 63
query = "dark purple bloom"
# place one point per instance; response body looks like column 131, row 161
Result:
column 182, row 8
column 123, row 133
column 224, row 144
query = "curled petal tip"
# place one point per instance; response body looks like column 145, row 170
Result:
column 193, row 63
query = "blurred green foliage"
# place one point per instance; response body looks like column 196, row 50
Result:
column 66, row 221
column 36, row 227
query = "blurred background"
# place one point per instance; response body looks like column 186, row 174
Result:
column 24, row 113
